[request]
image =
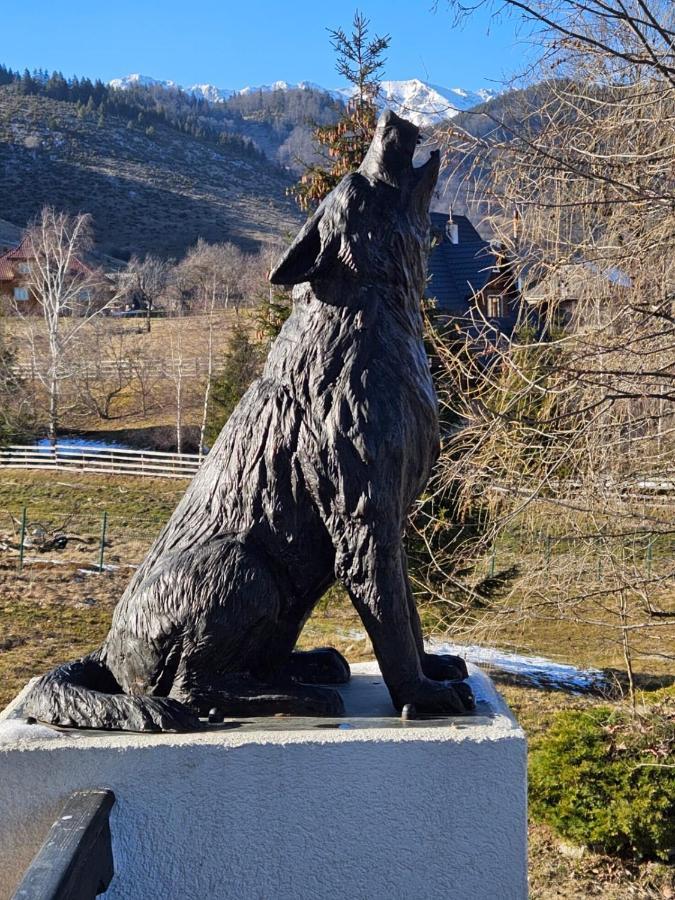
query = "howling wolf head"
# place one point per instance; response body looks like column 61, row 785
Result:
column 375, row 223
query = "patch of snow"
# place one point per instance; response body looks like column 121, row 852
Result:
column 73, row 444
column 612, row 274
column 355, row 634
column 616, row 276
column 14, row 731
column 536, row 670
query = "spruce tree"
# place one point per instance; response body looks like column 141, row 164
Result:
column 344, row 144
column 242, row 364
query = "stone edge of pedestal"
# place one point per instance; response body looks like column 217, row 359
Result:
column 17, row 735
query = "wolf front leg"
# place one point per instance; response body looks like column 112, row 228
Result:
column 372, row 568
column 438, row 666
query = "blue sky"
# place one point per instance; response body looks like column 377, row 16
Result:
column 231, row 44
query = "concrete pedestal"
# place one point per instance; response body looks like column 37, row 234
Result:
column 362, row 807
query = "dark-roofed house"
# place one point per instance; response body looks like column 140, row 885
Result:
column 470, row 280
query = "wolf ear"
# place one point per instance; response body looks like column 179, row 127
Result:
column 333, row 235
column 309, row 255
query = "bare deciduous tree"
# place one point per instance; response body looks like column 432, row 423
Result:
column 147, row 280
column 211, row 274
column 102, row 368
column 562, row 438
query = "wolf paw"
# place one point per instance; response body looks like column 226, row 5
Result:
column 165, row 714
column 441, row 698
column 444, row 667
column 321, row 666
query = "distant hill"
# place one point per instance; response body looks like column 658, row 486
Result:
column 10, row 234
column 150, row 187
column 158, row 167
column 500, row 118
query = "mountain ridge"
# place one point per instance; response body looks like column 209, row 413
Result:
column 424, row 103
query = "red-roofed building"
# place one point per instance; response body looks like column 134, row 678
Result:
column 16, row 293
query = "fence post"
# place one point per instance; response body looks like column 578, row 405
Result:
column 493, row 560
column 650, row 555
column 22, row 537
column 104, row 525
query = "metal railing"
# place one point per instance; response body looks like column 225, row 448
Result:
column 75, row 862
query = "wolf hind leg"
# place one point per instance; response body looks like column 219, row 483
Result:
column 242, row 695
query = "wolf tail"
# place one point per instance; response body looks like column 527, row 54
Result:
column 84, row 694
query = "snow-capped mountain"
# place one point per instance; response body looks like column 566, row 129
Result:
column 427, row 104
column 210, row 92
column 423, row 103
column 282, row 86
column 137, row 80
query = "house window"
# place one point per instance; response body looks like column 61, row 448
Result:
column 494, row 306
column 24, row 268
column 21, row 293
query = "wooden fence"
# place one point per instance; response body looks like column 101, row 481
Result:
column 190, row 367
column 105, row 462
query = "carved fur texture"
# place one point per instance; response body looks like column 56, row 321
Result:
column 310, row 481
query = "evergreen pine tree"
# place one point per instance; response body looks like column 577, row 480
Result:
column 243, row 362
column 27, row 84
column 360, row 62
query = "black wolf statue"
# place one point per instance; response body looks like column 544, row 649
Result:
column 310, row 481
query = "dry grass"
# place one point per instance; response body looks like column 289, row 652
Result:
column 192, row 331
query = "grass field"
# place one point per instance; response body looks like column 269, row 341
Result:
column 143, row 410
column 191, row 331
column 54, row 611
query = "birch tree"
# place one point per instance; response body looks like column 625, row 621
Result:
column 65, row 289
column 177, row 375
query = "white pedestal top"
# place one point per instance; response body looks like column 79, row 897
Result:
column 368, row 708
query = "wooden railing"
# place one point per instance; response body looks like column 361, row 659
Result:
column 191, row 367
column 152, row 463
column 75, row 862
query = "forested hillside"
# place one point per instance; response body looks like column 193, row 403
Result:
column 151, row 183
column 466, row 142
column 275, row 123
column 158, row 168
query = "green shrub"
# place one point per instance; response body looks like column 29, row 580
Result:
column 607, row 780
